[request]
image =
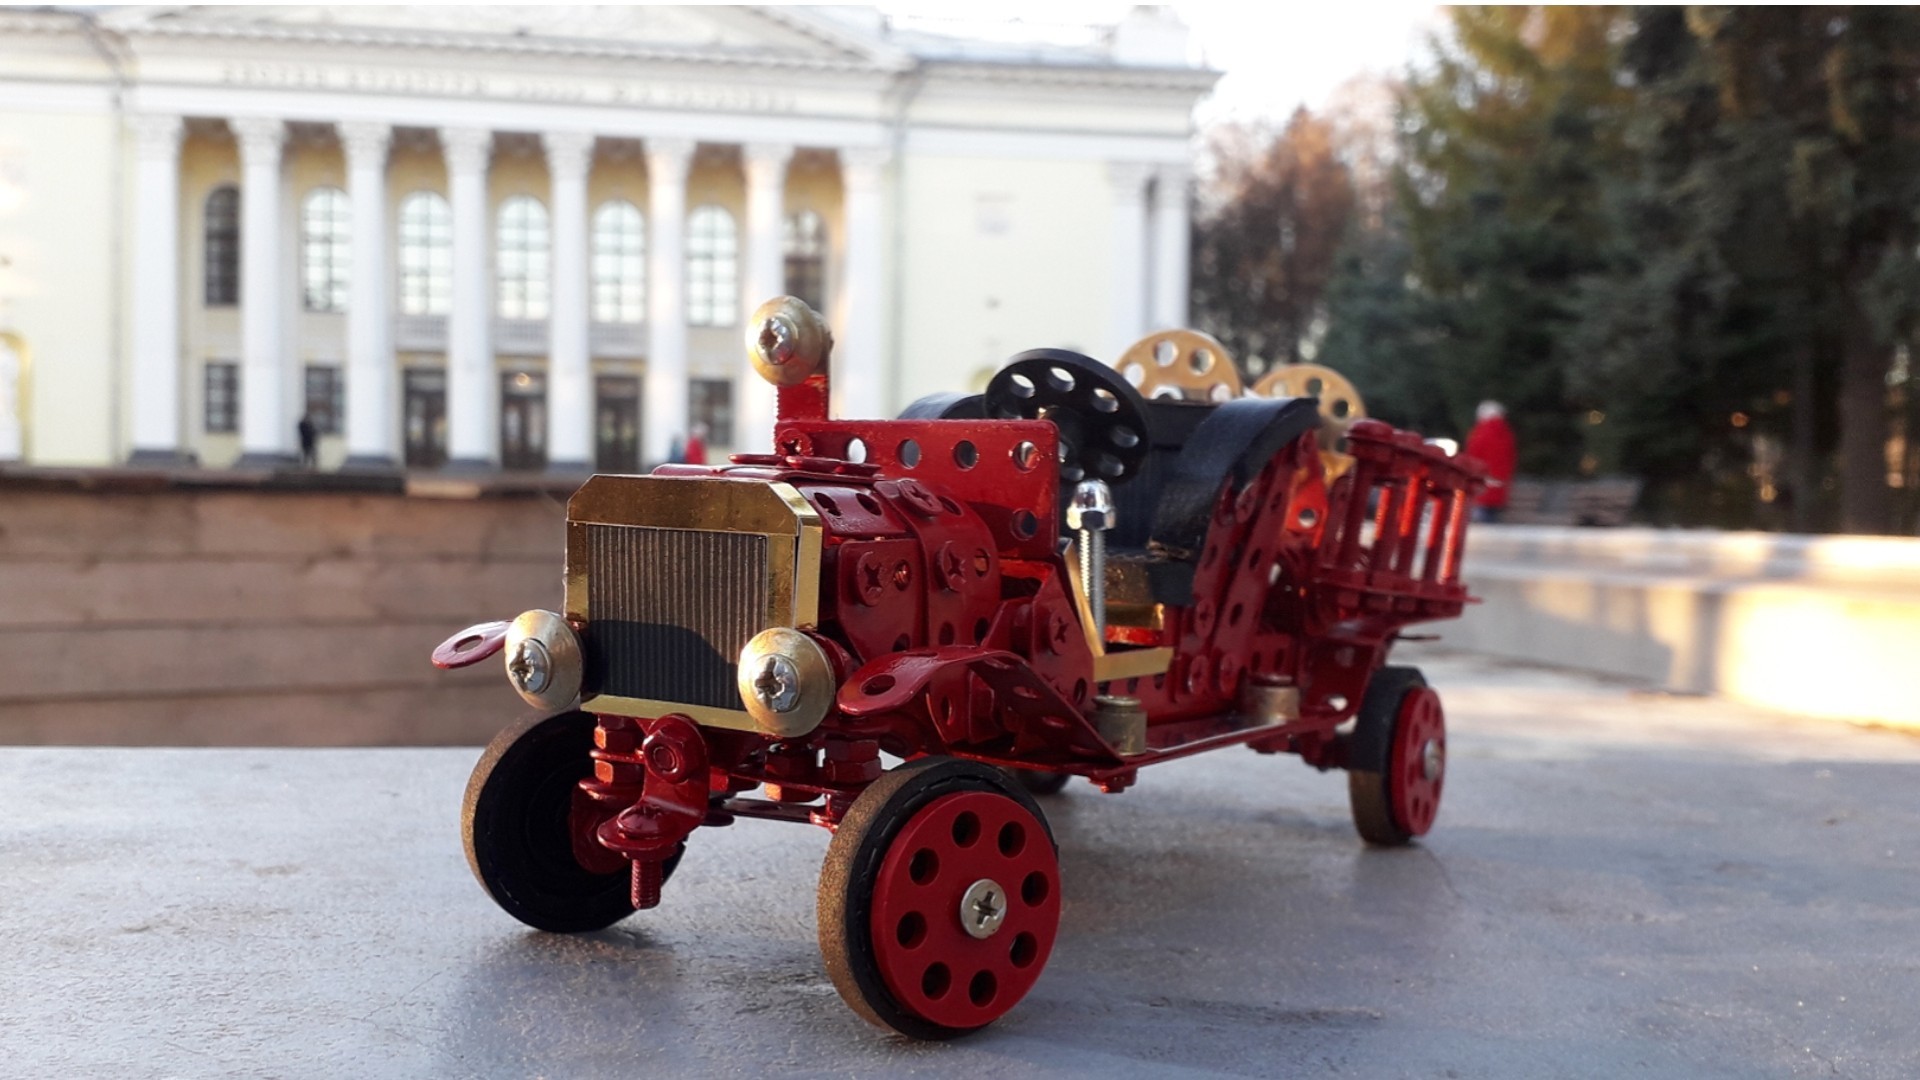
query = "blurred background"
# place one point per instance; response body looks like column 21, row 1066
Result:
column 311, row 317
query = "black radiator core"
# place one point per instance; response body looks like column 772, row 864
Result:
column 668, row 611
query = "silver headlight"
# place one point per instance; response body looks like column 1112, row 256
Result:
column 786, row 682
column 543, row 659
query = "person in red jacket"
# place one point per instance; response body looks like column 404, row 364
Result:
column 1491, row 443
column 695, row 452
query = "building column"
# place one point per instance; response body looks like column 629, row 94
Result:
column 667, row 392
column 859, row 366
column 473, row 428
column 267, row 437
column 1128, row 322
column 569, row 355
column 1171, row 242
column 373, row 425
column 156, row 292
column 766, row 168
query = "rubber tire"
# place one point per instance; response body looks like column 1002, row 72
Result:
column 853, row 860
column 1369, row 750
column 513, row 824
column 1042, row 783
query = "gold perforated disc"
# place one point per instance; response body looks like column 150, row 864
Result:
column 1340, row 403
column 1185, row 364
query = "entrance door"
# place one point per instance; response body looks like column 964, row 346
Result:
column 616, row 424
column 13, row 407
column 523, row 420
column 426, row 412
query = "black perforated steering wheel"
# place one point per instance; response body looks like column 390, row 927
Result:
column 1102, row 419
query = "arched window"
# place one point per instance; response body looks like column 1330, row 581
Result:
column 426, row 254
column 223, row 246
column 325, row 247
column 619, row 263
column 713, row 268
column 522, row 252
column 806, row 250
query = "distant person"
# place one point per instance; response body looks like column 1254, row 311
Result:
column 696, row 451
column 309, row 440
column 676, row 450
column 1491, row 443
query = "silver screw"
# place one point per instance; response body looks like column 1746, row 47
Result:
column 983, row 908
column 530, row 667
column 777, row 340
column 778, row 684
column 1431, row 761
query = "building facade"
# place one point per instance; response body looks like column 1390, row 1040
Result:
column 499, row 238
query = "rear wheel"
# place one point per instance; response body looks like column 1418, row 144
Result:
column 518, row 826
column 939, row 898
column 1398, row 758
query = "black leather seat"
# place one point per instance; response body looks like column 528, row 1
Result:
column 1165, row 512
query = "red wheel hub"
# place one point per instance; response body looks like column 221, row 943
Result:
column 1418, row 766
column 965, row 908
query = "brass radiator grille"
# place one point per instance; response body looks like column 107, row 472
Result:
column 668, row 610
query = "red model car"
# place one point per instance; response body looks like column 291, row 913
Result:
column 1059, row 577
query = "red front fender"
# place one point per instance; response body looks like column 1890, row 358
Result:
column 470, row 646
column 989, row 702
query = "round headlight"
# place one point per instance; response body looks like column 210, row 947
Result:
column 543, row 659
column 786, row 682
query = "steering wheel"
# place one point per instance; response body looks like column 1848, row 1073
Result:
column 1103, row 420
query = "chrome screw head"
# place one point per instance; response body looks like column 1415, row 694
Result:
column 983, row 908
column 531, row 668
column 778, row 340
column 1432, row 759
column 778, row 684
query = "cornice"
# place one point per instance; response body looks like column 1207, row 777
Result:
column 488, row 44
column 1106, row 76
column 40, row 22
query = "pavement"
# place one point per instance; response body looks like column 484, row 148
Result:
column 1619, row 884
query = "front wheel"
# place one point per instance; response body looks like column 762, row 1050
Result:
column 1398, row 759
column 939, row 898
column 518, row 827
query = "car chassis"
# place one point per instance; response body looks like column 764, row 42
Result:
column 748, row 640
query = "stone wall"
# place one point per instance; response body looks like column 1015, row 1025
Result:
column 1821, row 626
column 170, row 613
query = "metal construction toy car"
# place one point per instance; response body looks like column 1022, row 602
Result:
column 1081, row 572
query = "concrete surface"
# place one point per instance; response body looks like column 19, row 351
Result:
column 1619, row 884
column 1820, row 626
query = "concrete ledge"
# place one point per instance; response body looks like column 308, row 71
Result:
column 1813, row 625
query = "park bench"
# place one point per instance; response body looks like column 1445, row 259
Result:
column 1604, row 500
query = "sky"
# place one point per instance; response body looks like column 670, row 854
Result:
column 1274, row 54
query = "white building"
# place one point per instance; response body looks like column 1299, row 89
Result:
column 522, row 237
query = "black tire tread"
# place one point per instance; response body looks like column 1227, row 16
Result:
column 1369, row 752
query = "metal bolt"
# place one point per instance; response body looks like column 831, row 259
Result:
column 778, row 684
column 983, row 908
column 778, row 340
column 531, row 667
column 1431, row 759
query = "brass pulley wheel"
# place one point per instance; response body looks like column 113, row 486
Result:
column 1340, row 403
column 1184, row 364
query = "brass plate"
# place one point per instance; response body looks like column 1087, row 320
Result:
column 776, row 511
column 704, row 715
column 773, row 510
column 1132, row 664
column 1184, row 364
